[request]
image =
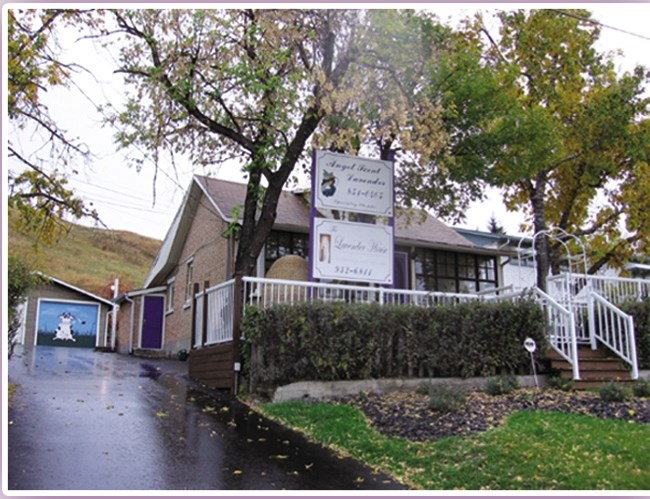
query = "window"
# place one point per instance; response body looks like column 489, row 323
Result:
column 189, row 284
column 171, row 291
column 280, row 244
column 454, row 272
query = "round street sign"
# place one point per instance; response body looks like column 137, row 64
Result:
column 529, row 344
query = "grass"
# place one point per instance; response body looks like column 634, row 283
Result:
column 87, row 257
column 532, row 451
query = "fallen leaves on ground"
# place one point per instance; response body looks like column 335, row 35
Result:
column 407, row 415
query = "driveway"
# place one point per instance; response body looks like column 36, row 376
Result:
column 85, row 420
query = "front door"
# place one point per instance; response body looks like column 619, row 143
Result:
column 152, row 322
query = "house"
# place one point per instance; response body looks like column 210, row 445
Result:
column 57, row 313
column 199, row 250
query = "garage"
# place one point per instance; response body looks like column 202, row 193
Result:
column 59, row 314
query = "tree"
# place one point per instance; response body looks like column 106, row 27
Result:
column 257, row 85
column 20, row 279
column 494, row 227
column 540, row 113
column 38, row 182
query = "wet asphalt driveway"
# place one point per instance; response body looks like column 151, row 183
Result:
column 84, row 420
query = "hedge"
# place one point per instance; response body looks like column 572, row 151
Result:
column 641, row 313
column 330, row 342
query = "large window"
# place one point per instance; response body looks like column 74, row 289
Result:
column 280, row 244
column 454, row 272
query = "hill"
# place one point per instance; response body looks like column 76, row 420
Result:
column 89, row 258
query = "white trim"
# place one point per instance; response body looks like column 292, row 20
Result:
column 205, row 192
column 74, row 288
column 141, row 292
column 76, row 302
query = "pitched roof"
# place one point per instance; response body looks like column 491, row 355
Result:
column 293, row 213
column 74, row 288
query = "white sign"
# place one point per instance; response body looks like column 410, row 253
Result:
column 350, row 183
column 351, row 251
column 529, row 344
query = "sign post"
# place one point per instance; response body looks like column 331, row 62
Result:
column 530, row 346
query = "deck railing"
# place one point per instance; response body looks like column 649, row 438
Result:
column 617, row 290
column 214, row 314
column 262, row 292
column 614, row 328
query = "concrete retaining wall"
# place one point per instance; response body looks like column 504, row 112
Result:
column 329, row 389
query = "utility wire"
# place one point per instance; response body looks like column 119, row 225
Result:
column 598, row 23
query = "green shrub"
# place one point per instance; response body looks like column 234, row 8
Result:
column 640, row 311
column 501, row 385
column 344, row 341
column 560, row 383
column 641, row 389
column 446, row 398
column 612, row 392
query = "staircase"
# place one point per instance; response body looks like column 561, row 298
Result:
column 592, row 340
column 596, row 367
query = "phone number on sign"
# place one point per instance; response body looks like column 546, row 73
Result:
column 356, row 271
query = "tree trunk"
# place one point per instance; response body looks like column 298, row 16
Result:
column 539, row 224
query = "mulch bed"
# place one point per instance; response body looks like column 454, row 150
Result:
column 407, row 415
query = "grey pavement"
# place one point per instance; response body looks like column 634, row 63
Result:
column 85, row 420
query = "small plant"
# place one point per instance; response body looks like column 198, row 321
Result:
column 641, row 389
column 423, row 389
column 446, row 398
column 501, row 385
column 612, row 392
column 560, row 383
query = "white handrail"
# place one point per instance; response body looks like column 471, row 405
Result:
column 614, row 328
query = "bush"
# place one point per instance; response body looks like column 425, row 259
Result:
column 343, row 341
column 641, row 313
column 446, row 398
column 612, row 392
column 501, row 385
column 560, row 383
column 641, row 389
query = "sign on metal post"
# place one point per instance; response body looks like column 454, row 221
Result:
column 531, row 346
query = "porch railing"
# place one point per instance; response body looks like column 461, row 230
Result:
column 262, row 292
column 615, row 329
column 617, row 290
column 214, row 314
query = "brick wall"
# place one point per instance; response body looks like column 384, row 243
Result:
column 207, row 248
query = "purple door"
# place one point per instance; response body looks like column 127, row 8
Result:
column 152, row 322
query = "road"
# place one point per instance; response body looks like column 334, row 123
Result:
column 85, row 420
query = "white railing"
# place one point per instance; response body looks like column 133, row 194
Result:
column 262, row 292
column 220, row 302
column 614, row 328
column 614, row 289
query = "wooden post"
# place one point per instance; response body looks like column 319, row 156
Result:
column 238, row 308
column 204, row 329
column 194, row 336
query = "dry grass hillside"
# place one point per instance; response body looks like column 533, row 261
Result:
column 89, row 258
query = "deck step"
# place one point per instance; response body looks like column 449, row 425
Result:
column 596, row 367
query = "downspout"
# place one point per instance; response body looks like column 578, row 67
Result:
column 116, row 287
column 126, row 297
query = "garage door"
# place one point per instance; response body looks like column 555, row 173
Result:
column 67, row 324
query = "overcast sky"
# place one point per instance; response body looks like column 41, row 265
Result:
column 124, row 197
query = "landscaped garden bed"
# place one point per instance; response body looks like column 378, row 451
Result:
column 408, row 414
column 526, row 439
